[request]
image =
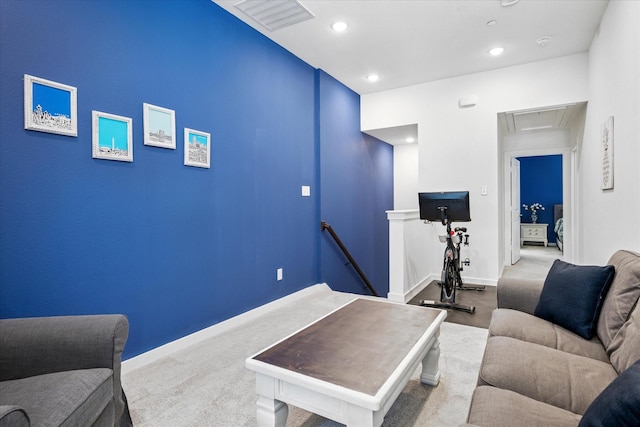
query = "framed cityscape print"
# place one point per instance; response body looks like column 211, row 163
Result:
column 112, row 137
column 159, row 126
column 607, row 154
column 197, row 148
column 50, row 107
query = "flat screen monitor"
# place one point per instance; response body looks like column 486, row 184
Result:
column 445, row 205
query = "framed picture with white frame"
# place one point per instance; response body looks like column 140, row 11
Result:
column 112, row 137
column 159, row 126
column 197, row 148
column 607, row 154
column 50, row 107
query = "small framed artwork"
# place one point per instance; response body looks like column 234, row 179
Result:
column 159, row 126
column 112, row 137
column 197, row 148
column 607, row 154
column 50, row 107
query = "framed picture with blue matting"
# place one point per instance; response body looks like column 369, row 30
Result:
column 112, row 137
column 50, row 107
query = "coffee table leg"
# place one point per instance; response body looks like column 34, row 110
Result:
column 430, row 370
column 271, row 412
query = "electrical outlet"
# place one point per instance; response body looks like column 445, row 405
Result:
column 279, row 274
column 306, row 191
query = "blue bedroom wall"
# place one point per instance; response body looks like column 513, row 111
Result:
column 541, row 181
column 175, row 248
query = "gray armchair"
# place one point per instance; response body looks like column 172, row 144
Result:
column 63, row 371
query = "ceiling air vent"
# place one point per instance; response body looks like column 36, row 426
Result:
column 275, row 14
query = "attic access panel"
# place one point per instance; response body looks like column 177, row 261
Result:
column 539, row 119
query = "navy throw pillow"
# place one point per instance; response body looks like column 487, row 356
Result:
column 572, row 296
column 619, row 404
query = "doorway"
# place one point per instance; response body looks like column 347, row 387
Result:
column 541, row 187
column 535, row 180
column 513, row 213
column 545, row 131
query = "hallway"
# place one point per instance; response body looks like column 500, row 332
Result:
column 534, row 262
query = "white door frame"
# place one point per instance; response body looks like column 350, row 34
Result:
column 568, row 181
column 514, row 211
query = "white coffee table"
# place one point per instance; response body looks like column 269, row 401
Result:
column 349, row 366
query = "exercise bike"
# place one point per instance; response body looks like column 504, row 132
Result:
column 450, row 279
column 457, row 260
column 448, row 207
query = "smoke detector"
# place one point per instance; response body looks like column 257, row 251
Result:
column 543, row 41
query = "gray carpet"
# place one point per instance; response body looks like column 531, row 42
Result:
column 535, row 262
column 207, row 384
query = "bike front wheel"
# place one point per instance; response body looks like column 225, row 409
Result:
column 449, row 278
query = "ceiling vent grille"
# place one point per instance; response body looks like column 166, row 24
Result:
column 539, row 119
column 275, row 14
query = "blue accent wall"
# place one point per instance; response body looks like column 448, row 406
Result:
column 353, row 203
column 175, row 248
column 541, row 181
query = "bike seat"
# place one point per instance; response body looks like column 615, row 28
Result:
column 463, row 229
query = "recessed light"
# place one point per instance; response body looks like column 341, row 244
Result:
column 373, row 77
column 496, row 51
column 339, row 26
column 506, row 3
column 492, row 23
column 410, row 140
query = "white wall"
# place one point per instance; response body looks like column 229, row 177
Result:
column 610, row 220
column 537, row 143
column 458, row 148
column 405, row 177
column 409, row 254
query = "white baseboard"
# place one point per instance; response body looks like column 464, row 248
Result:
column 479, row 281
column 415, row 290
column 217, row 329
column 410, row 294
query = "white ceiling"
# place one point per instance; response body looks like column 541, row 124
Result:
column 408, row 42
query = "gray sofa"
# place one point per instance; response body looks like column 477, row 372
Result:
column 537, row 373
column 62, row 371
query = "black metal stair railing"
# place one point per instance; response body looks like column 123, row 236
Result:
column 353, row 262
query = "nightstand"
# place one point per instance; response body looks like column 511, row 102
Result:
column 533, row 233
